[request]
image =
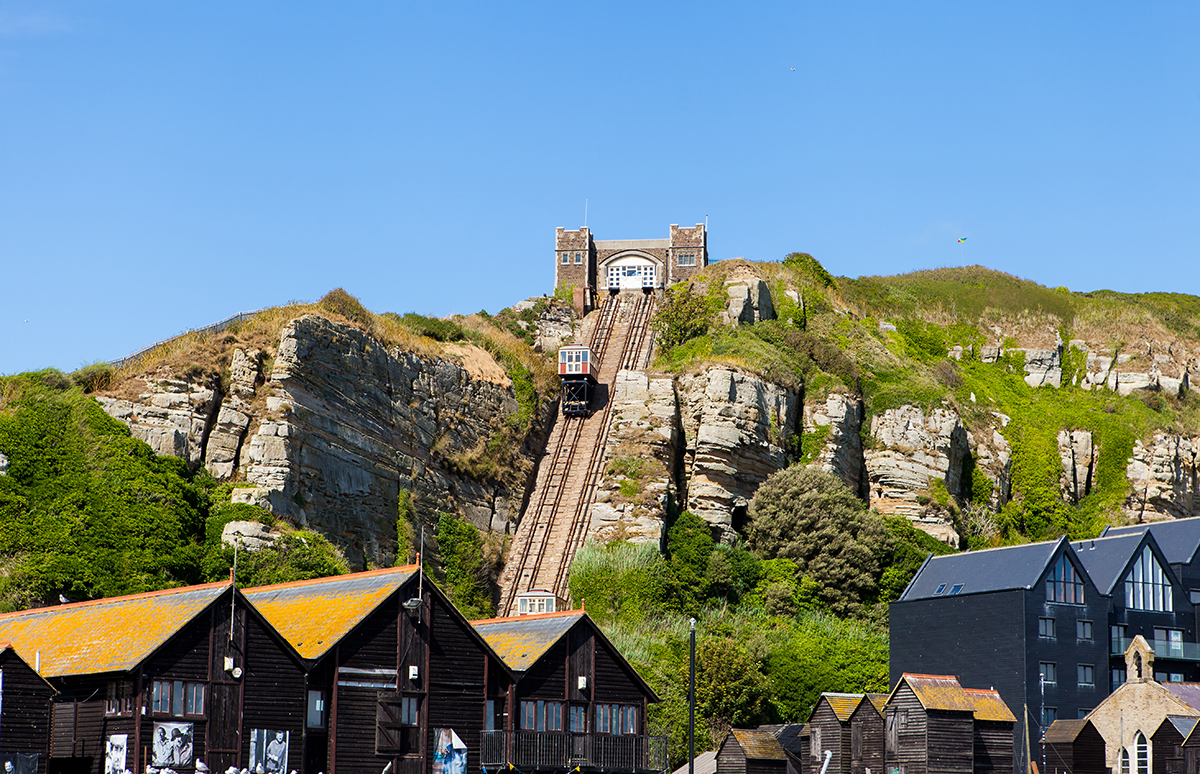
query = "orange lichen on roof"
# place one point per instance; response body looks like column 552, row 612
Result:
column 758, row 744
column 879, row 700
column 938, row 692
column 105, row 635
column 989, row 705
column 521, row 640
column 314, row 615
column 843, row 704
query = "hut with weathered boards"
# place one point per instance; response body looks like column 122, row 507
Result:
column 1074, row 747
column 866, row 734
column 356, row 674
column 750, row 751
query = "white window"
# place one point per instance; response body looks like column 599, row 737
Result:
column 1063, row 583
column 1147, row 587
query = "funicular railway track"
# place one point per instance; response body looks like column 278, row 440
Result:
column 555, row 525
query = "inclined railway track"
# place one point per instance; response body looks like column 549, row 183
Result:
column 555, row 524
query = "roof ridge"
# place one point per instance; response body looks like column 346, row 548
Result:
column 330, row 578
column 527, row 616
column 982, row 690
column 111, row 600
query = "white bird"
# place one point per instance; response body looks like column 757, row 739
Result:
column 63, row 599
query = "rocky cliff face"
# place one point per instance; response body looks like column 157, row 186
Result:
column 736, row 431
column 337, row 428
column 1164, row 476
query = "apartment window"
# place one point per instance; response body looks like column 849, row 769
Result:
column 1175, row 677
column 1049, row 672
column 1087, row 675
column 1083, row 630
column 1117, row 638
column 120, row 698
column 1049, row 715
column 1147, row 586
column 316, row 716
column 1063, row 583
column 1168, row 642
column 1117, row 677
column 578, row 718
column 1046, row 627
column 177, row 698
column 1083, row 713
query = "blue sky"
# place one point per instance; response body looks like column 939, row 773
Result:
column 163, row 165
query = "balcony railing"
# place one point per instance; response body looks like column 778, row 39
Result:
column 1176, row 651
column 563, row 750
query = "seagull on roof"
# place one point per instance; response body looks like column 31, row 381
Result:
column 63, row 600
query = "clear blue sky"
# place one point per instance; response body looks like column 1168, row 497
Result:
column 165, row 164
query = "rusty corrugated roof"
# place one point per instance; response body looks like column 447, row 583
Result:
column 521, row 640
column 938, row 692
column 989, row 705
column 104, row 635
column 758, row 744
column 314, row 615
column 843, row 704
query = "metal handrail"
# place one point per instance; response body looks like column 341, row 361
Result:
column 1178, row 651
column 527, row 750
column 216, row 327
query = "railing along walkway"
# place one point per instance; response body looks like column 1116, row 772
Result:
column 545, row 750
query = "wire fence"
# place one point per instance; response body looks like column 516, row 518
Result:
column 216, row 327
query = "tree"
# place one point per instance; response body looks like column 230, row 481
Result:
column 810, row 517
column 684, row 315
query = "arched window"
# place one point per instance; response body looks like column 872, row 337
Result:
column 1063, row 583
column 1124, row 765
column 1147, row 586
column 1141, row 754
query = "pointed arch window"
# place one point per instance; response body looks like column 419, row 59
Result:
column 1141, row 754
column 1064, row 584
column 1147, row 586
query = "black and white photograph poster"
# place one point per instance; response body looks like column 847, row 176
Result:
column 115, row 752
column 172, row 745
column 269, row 749
column 19, row 763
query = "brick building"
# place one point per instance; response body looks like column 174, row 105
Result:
column 585, row 263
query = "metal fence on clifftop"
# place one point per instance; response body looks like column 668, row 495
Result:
column 214, row 328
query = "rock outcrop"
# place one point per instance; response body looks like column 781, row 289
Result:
column 1164, row 477
column 736, row 430
column 839, row 420
column 341, row 424
column 912, row 452
column 174, row 414
column 749, row 302
column 1078, row 456
column 640, row 457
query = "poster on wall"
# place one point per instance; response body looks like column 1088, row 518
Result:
column 449, row 754
column 19, row 763
column 114, row 755
column 269, row 749
column 172, row 745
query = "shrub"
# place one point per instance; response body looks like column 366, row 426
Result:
column 809, row 268
column 467, row 575
column 683, row 315
column 97, row 376
column 338, row 301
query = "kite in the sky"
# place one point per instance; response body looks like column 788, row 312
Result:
column 962, row 240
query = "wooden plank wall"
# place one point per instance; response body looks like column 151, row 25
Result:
column 994, row 748
column 835, row 737
column 951, row 742
column 25, row 712
column 373, row 644
column 731, row 758
column 867, row 725
column 275, row 694
column 456, row 681
column 905, row 747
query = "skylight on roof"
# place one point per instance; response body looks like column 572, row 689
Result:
column 957, row 588
column 940, row 589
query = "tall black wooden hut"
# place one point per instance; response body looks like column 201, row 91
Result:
column 578, row 704
column 396, row 675
column 866, row 735
column 750, row 751
column 24, row 714
column 1074, row 747
column 930, row 726
column 166, row 678
column 994, row 732
column 1190, row 747
column 829, row 731
column 1166, row 744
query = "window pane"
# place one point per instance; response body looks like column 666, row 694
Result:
column 316, row 709
column 579, row 719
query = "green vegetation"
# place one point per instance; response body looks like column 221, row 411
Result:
column 470, row 568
